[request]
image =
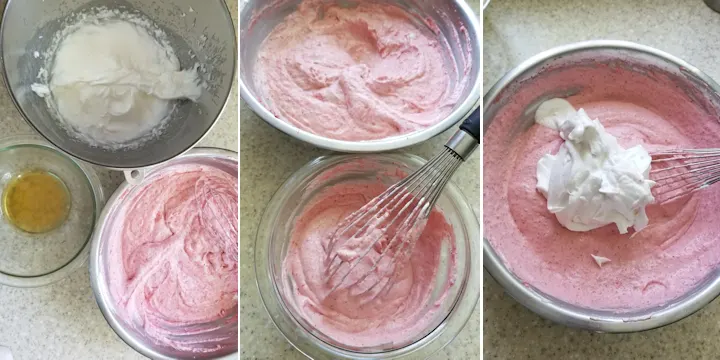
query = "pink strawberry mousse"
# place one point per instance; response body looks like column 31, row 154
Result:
column 359, row 315
column 668, row 258
column 173, row 257
column 355, row 74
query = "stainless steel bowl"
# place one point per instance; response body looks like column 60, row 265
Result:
column 220, row 335
column 449, row 15
column 641, row 58
column 199, row 27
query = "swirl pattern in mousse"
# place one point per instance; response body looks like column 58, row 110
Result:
column 363, row 73
column 173, row 255
column 358, row 315
column 665, row 260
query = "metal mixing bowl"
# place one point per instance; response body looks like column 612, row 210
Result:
column 219, row 338
column 698, row 87
column 273, row 239
column 449, row 15
column 200, row 27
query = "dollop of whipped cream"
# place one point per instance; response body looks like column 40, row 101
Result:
column 592, row 181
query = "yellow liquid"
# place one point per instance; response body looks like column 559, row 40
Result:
column 36, row 201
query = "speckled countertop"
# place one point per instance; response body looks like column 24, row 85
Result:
column 517, row 29
column 62, row 321
column 267, row 158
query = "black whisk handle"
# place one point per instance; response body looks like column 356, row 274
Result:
column 471, row 125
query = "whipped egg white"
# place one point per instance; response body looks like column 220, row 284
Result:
column 592, row 181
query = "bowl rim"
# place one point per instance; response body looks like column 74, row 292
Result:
column 99, row 285
column 438, row 338
column 386, row 144
column 227, row 16
column 98, row 201
column 533, row 300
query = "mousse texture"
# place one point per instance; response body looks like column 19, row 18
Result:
column 173, row 254
column 355, row 73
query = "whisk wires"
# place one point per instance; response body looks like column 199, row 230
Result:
column 682, row 172
column 389, row 225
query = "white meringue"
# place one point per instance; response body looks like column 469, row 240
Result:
column 592, row 181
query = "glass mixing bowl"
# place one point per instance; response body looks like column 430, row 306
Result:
column 274, row 235
column 215, row 339
column 37, row 259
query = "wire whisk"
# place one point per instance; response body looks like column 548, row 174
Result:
column 371, row 246
column 682, row 172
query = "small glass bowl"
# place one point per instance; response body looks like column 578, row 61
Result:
column 38, row 259
column 273, row 239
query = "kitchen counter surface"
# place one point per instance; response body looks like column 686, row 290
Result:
column 514, row 30
column 62, row 320
column 267, row 158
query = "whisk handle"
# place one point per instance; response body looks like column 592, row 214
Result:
column 471, row 125
column 466, row 140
